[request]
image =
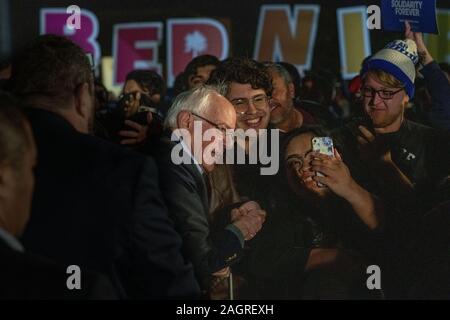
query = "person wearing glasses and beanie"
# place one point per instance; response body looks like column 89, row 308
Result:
column 404, row 163
column 401, row 157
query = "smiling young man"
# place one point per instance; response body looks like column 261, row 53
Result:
column 398, row 156
column 248, row 86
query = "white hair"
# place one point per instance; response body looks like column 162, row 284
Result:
column 196, row 100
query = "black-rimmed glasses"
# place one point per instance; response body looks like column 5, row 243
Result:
column 384, row 94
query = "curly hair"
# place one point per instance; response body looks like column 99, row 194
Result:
column 243, row 71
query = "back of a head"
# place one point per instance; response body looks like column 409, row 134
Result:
column 52, row 67
column 244, row 71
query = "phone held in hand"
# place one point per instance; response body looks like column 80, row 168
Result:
column 363, row 120
column 323, row 145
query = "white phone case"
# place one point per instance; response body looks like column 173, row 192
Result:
column 323, row 145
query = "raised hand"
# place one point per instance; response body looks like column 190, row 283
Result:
column 424, row 55
column 337, row 176
column 373, row 148
column 135, row 136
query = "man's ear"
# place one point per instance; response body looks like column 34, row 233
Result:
column 291, row 90
column 405, row 101
column 82, row 100
column 184, row 120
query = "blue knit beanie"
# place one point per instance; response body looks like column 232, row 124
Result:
column 398, row 58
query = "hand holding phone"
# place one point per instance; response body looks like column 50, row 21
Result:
column 323, row 145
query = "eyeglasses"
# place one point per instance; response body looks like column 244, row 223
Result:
column 241, row 104
column 369, row 92
column 222, row 128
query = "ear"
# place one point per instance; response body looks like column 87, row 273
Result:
column 291, row 90
column 405, row 100
column 6, row 178
column 82, row 100
column 184, row 120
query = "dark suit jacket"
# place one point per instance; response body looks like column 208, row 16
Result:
column 185, row 191
column 26, row 276
column 98, row 206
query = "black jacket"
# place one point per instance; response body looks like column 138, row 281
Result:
column 26, row 276
column 185, row 191
column 420, row 152
column 98, row 206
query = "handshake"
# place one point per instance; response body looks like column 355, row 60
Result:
column 248, row 218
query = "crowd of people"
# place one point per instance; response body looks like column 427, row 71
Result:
column 89, row 180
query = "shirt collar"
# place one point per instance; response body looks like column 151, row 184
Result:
column 12, row 242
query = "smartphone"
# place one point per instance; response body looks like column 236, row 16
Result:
column 323, row 145
column 364, row 120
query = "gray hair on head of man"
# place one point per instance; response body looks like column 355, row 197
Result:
column 196, row 101
column 280, row 70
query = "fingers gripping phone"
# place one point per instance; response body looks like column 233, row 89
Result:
column 323, row 145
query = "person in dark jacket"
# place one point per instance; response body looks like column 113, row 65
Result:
column 95, row 205
column 24, row 275
column 398, row 157
column 184, row 184
column 436, row 83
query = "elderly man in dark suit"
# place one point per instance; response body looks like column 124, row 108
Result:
column 194, row 115
column 95, row 205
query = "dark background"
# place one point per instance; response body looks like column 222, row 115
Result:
column 240, row 16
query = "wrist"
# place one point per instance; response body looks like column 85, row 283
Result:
column 425, row 57
column 353, row 192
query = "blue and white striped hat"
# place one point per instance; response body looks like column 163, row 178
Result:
column 398, row 58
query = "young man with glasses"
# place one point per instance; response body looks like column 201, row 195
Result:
column 394, row 155
column 248, row 86
column 403, row 162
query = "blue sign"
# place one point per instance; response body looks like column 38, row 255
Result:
column 421, row 15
